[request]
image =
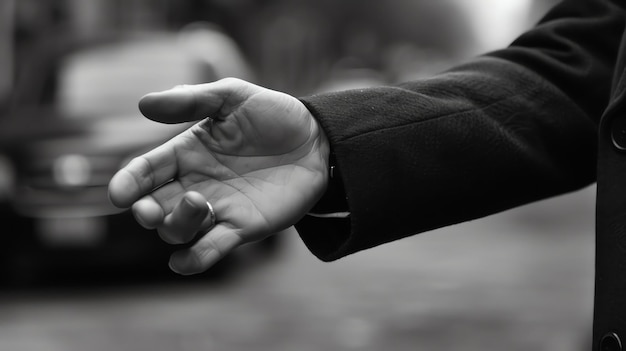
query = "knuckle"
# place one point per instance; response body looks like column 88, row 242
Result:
column 232, row 80
column 142, row 171
column 212, row 244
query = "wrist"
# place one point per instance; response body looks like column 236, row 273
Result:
column 334, row 202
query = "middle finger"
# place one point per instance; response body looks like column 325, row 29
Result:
column 189, row 216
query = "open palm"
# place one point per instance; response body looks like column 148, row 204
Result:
column 259, row 159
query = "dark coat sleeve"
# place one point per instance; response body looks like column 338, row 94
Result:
column 507, row 128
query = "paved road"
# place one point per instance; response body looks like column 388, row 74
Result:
column 521, row 280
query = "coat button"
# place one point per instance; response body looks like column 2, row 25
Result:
column 618, row 133
column 610, row 342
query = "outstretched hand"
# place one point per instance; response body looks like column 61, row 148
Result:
column 256, row 155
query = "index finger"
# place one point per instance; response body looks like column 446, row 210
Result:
column 142, row 175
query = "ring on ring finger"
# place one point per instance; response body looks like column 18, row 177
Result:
column 211, row 215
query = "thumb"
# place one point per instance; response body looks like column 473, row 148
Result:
column 172, row 106
column 186, row 103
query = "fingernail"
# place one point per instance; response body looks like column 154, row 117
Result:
column 191, row 208
column 172, row 267
column 183, row 263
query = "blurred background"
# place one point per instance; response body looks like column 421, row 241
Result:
column 77, row 274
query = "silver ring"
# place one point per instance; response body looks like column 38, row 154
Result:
column 211, row 214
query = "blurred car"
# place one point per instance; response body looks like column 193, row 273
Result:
column 56, row 160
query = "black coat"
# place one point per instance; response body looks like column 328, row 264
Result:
column 510, row 127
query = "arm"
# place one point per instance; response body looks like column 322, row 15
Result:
column 511, row 127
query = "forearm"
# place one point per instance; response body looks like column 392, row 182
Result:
column 515, row 126
column 418, row 157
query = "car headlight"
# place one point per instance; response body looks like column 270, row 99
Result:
column 72, row 170
column 7, row 179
